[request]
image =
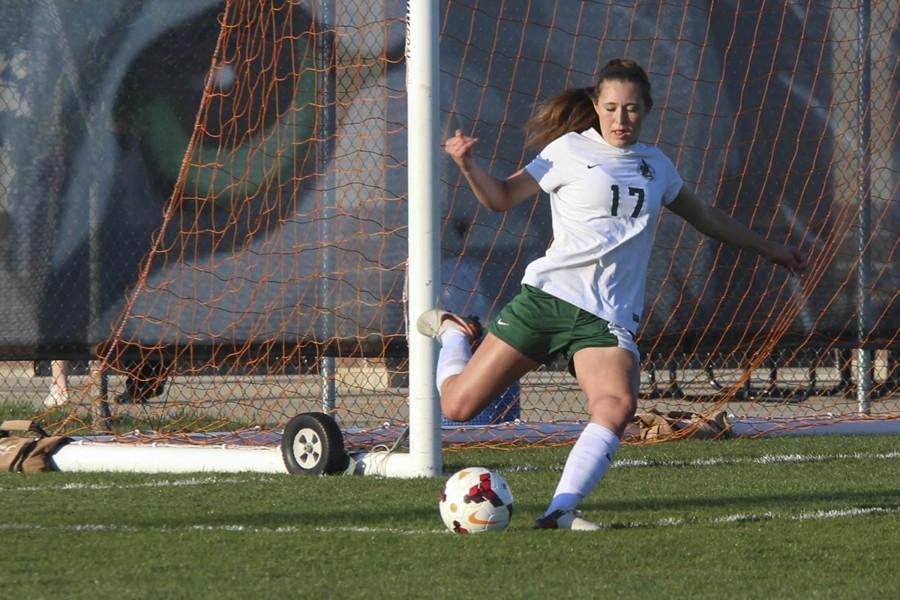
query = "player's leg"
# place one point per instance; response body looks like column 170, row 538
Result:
column 609, row 378
column 59, row 384
column 468, row 383
column 494, row 366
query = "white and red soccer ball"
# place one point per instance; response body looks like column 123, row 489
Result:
column 476, row 499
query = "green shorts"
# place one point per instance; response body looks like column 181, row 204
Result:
column 541, row 326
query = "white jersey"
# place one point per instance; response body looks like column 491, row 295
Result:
column 605, row 202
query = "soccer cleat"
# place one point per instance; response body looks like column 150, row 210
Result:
column 565, row 519
column 56, row 398
column 435, row 322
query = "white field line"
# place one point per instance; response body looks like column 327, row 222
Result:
column 162, row 483
column 769, row 516
column 817, row 515
column 115, row 528
column 766, row 459
column 624, row 463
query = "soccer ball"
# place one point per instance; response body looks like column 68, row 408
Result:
column 476, row 500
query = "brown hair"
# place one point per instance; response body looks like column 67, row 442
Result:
column 573, row 108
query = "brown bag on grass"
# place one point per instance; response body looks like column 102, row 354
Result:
column 28, row 453
column 655, row 425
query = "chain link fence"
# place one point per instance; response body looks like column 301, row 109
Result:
column 224, row 247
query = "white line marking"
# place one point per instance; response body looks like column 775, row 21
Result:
column 118, row 528
column 162, row 483
column 623, row 463
column 378, row 530
column 817, row 515
column 767, row 459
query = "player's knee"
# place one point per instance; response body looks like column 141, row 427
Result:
column 457, row 412
column 617, row 408
column 629, row 406
column 458, row 406
column 629, row 412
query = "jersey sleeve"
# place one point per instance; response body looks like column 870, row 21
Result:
column 674, row 182
column 549, row 167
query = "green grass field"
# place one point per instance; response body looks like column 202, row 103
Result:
column 782, row 518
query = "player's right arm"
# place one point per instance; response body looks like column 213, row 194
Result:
column 496, row 194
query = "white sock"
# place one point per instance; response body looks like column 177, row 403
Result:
column 454, row 355
column 586, row 465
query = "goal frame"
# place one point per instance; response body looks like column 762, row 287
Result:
column 423, row 458
column 423, row 257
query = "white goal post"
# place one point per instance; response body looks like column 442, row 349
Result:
column 423, row 106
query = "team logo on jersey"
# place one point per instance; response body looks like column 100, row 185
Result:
column 646, row 170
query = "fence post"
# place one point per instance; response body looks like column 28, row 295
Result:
column 327, row 94
column 863, row 355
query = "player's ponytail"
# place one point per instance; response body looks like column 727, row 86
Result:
column 570, row 110
column 573, row 108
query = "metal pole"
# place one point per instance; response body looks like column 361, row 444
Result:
column 422, row 68
column 326, row 60
column 863, row 355
column 96, row 134
column 100, row 411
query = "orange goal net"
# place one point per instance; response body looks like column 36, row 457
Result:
column 276, row 281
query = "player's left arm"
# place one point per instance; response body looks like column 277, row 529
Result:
column 719, row 225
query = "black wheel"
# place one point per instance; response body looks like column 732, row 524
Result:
column 312, row 444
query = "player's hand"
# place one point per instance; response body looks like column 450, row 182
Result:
column 786, row 256
column 459, row 147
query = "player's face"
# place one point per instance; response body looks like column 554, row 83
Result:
column 621, row 109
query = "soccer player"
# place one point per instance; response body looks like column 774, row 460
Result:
column 584, row 297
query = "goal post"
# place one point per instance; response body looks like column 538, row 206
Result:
column 423, row 259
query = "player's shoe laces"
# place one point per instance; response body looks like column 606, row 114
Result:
column 565, row 519
column 435, row 322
